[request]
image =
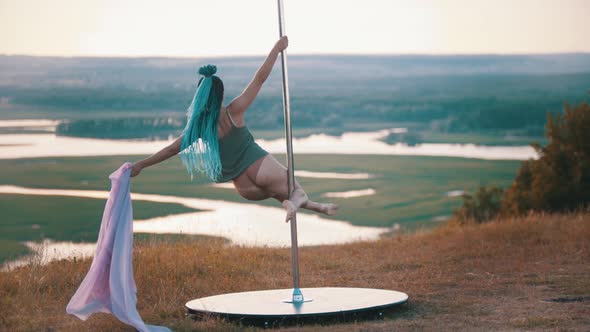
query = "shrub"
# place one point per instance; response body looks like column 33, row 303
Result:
column 560, row 179
column 481, row 207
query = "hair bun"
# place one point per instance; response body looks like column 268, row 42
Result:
column 208, row 70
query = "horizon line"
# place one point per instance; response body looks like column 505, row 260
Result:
column 153, row 56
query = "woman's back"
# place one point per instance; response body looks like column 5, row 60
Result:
column 227, row 122
column 237, row 148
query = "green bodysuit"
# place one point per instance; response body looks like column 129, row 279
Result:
column 237, row 151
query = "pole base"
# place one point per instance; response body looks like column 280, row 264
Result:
column 297, row 297
column 266, row 307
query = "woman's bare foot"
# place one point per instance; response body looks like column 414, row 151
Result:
column 290, row 208
column 325, row 208
column 298, row 198
column 329, row 209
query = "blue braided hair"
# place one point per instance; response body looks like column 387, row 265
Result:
column 199, row 149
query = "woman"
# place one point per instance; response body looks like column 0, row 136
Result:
column 216, row 142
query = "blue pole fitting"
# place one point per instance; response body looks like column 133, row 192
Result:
column 297, row 295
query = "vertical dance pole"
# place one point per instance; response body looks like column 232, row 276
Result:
column 297, row 296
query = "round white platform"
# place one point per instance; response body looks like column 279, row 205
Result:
column 269, row 304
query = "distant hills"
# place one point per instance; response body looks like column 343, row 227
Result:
column 21, row 70
column 448, row 93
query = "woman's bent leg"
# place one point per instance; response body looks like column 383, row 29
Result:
column 325, row 208
column 246, row 186
column 273, row 176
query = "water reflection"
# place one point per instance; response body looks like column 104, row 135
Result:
column 455, row 193
column 369, row 143
column 29, row 123
column 48, row 250
column 243, row 224
column 50, row 145
column 333, row 175
column 310, row 174
column 351, row 193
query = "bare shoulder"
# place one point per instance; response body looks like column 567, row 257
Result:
column 236, row 113
column 236, row 107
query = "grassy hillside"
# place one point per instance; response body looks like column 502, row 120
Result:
column 526, row 274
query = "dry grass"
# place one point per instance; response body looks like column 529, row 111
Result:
column 496, row 276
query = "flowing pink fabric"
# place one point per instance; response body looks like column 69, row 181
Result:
column 109, row 285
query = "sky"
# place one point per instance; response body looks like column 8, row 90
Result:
column 193, row 28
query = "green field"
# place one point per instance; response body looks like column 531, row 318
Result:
column 61, row 218
column 410, row 191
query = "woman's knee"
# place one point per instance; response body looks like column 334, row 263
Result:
column 253, row 193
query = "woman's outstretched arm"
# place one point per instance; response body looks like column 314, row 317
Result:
column 167, row 152
column 241, row 103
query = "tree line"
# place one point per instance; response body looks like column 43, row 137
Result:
column 449, row 104
column 558, row 181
